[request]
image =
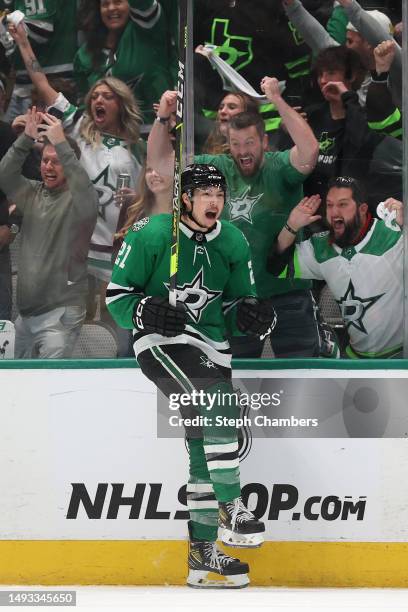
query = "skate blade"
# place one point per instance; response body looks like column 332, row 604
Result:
column 239, row 540
column 201, row 579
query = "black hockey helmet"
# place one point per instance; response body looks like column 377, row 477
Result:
column 199, row 176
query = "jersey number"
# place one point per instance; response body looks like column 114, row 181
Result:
column 123, row 255
column 34, row 7
column 251, row 273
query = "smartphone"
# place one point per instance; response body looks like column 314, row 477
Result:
column 55, row 112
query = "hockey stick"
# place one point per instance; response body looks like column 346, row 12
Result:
column 178, row 152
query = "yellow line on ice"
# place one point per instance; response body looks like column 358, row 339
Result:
column 302, row 564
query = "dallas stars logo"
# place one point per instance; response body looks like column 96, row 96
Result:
column 242, row 207
column 235, row 50
column 325, row 143
column 105, row 191
column 196, row 296
column 206, row 362
column 353, row 308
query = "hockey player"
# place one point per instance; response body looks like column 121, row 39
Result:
column 360, row 258
column 263, row 187
column 184, row 348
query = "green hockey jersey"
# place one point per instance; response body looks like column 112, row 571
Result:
column 143, row 58
column 259, row 206
column 366, row 280
column 51, row 28
column 214, row 273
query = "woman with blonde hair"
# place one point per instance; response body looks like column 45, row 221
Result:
column 154, row 198
column 231, row 104
column 107, row 133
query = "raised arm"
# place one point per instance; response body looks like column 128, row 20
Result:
column 14, row 185
column 302, row 215
column 374, row 34
column 160, row 153
column 145, row 13
column 35, row 72
column 84, row 195
column 312, row 32
column 303, row 156
column 382, row 114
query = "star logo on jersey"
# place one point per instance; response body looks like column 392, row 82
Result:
column 105, row 191
column 206, row 362
column 353, row 308
column 195, row 295
column 242, row 206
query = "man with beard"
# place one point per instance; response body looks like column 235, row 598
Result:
column 263, row 187
column 360, row 258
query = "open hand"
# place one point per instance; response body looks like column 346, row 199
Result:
column 304, row 213
column 52, row 128
column 32, row 123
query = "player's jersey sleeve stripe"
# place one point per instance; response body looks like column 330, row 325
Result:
column 116, row 292
column 146, row 19
column 227, row 306
column 40, row 31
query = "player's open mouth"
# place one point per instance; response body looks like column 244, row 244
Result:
column 211, row 214
column 50, row 177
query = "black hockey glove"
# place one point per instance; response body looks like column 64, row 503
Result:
column 256, row 317
column 155, row 315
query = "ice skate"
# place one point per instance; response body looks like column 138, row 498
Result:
column 209, row 567
column 239, row 526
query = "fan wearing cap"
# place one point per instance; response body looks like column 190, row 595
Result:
column 184, row 348
column 365, row 30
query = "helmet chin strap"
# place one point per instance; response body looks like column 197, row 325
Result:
column 190, row 215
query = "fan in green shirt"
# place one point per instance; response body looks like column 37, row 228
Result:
column 263, row 187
